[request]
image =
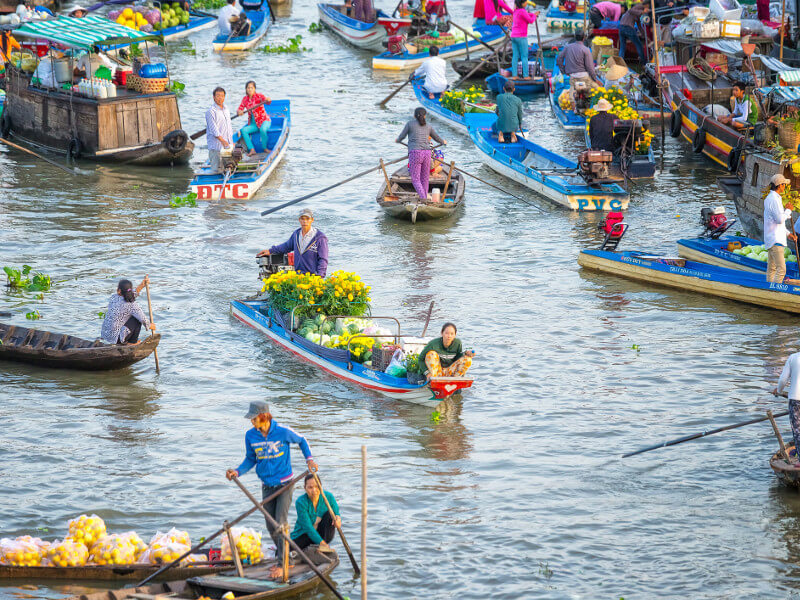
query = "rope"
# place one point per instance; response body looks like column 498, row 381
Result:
column 699, row 67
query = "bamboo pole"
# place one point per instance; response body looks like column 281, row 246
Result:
column 150, row 310
column 783, row 31
column 778, row 435
column 363, row 523
column 657, row 60
column 447, row 183
column 237, row 561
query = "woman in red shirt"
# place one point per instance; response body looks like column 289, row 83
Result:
column 258, row 121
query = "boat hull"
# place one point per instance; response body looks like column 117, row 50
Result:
column 787, row 473
column 522, row 87
column 367, row 36
column 135, row 572
column 408, row 207
column 261, row 20
column 195, row 24
column 715, row 252
column 568, row 119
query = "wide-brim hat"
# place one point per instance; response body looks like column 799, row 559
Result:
column 616, row 72
column 76, row 9
column 603, row 105
column 257, row 408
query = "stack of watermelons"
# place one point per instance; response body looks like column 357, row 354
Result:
column 326, row 332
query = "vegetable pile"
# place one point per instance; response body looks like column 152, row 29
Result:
column 148, row 19
column 247, row 542
column 455, row 100
column 337, row 333
column 339, row 294
column 760, row 253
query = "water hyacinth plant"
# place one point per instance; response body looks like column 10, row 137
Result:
column 18, row 279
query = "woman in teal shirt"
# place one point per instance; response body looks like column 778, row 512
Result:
column 314, row 523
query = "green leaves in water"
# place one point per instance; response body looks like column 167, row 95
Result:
column 191, row 49
column 315, row 27
column 101, row 315
column 206, row 4
column 177, row 88
column 635, row 347
column 292, row 46
column 435, row 416
column 189, row 199
column 18, row 279
column 33, row 315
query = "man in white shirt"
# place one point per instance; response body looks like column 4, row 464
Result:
column 229, row 12
column 434, row 69
column 791, row 375
column 775, row 233
column 219, row 131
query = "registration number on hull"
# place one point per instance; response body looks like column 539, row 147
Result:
column 237, row 191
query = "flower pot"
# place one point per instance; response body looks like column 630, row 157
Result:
column 415, row 378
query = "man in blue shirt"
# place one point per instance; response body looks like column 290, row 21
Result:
column 267, row 447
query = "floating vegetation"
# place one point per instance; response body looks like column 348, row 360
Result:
column 33, row 315
column 315, row 27
column 189, row 199
column 292, row 46
column 18, row 279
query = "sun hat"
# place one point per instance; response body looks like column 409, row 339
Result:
column 306, row 212
column 778, row 179
column 720, row 210
column 603, row 105
column 76, row 9
column 616, row 72
column 259, row 407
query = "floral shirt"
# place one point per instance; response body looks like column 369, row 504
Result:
column 117, row 314
column 259, row 114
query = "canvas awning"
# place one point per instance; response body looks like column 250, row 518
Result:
column 92, row 30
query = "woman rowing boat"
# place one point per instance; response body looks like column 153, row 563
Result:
column 124, row 317
column 314, row 524
column 419, row 134
column 258, row 121
column 444, row 357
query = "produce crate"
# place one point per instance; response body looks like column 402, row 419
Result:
column 787, row 136
column 444, row 39
column 731, row 29
column 602, row 49
column 382, row 356
column 153, row 85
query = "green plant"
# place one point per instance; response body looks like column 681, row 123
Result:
column 101, row 315
column 435, row 416
column 315, row 27
column 177, row 88
column 412, row 362
column 292, row 46
column 191, row 49
column 18, row 279
column 189, row 199
column 544, row 569
column 208, row 4
column 33, row 315
column 135, row 51
column 456, row 100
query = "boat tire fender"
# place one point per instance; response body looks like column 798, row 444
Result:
column 675, row 123
column 698, row 140
column 175, row 141
column 734, row 158
column 74, row 148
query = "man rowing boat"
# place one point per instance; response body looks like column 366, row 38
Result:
column 791, row 376
column 267, row 447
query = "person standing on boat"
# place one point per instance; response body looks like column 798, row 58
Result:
column 601, row 127
column 604, row 11
column 745, row 113
column 227, row 15
column 219, row 131
column 628, row 30
column 576, row 61
column 419, row 133
column 310, row 247
column 258, row 120
column 268, row 448
column 434, row 70
column 519, row 37
column 124, row 317
column 775, row 233
column 509, row 114
column 363, row 11
column 791, row 376
column 487, row 12
column 314, row 524
column 444, row 357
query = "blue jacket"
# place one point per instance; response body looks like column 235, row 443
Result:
column 270, row 454
column 307, row 515
column 313, row 260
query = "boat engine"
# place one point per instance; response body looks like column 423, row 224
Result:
column 396, row 44
column 593, row 166
column 230, row 158
column 274, row 263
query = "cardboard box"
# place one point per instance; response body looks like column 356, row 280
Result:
column 699, row 13
column 726, row 10
column 706, row 30
column 731, row 29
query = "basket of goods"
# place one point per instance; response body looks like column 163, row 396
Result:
column 602, row 45
column 789, row 133
column 153, row 78
column 382, row 355
column 438, row 39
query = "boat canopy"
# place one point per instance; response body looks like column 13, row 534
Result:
column 92, row 30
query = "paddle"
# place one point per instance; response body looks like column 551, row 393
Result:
column 271, row 12
column 427, row 320
column 695, row 436
column 274, row 524
column 472, row 35
column 330, row 187
column 394, row 93
column 194, row 136
column 222, row 529
column 356, row 569
column 150, row 310
column 478, row 66
column 45, row 159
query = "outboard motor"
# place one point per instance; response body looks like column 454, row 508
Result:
column 274, row 263
column 593, row 165
column 715, row 222
column 396, row 44
column 231, row 159
column 614, row 227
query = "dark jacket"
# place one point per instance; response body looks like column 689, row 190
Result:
column 601, row 131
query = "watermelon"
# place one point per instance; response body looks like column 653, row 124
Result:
column 327, row 326
column 353, row 329
column 319, row 319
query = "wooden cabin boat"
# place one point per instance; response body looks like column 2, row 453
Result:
column 260, row 315
column 436, row 109
column 551, row 175
column 787, row 472
column 254, row 585
column 522, row 87
column 639, row 166
column 367, row 36
column 252, row 172
column 135, row 572
column 260, row 21
column 412, row 57
column 61, row 351
column 133, row 127
column 691, row 276
column 716, row 252
column 402, row 202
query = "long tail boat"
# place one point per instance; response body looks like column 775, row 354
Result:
column 367, row 36
column 719, row 253
column 132, row 127
column 260, row 21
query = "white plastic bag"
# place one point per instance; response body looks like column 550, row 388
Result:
column 247, row 542
column 396, row 366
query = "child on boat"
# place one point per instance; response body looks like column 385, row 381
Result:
column 519, row 37
column 258, row 121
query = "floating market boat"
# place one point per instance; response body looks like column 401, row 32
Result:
column 532, row 85
column 251, row 172
column 787, row 472
column 260, row 315
column 58, row 350
column 567, row 118
column 412, row 57
column 558, row 17
column 260, row 20
column 691, row 276
column 719, row 252
column 198, row 20
column 255, row 584
column 401, row 200
column 132, row 127
column 545, row 172
column 437, row 109
column 10, row 6
column 367, row 36
column 637, row 166
column 134, row 572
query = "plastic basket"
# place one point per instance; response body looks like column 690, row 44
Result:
column 382, row 356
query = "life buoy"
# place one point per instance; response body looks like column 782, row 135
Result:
column 5, row 124
column 698, row 140
column 734, row 158
column 175, row 141
column 675, row 123
column 74, row 148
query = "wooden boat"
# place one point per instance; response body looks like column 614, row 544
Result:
column 133, row 127
column 411, row 58
column 135, row 572
column 58, row 350
column 260, row 315
column 558, row 18
column 691, row 276
column 568, row 119
column 551, row 175
column 255, row 584
column 402, row 201
column 10, row 6
column 522, row 87
column 444, row 114
column 787, row 472
column 367, row 36
column 640, row 166
column 260, row 21
column 715, row 252
column 251, row 172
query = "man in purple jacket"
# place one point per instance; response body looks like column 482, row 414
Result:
column 310, row 247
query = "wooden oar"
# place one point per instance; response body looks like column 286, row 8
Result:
column 150, row 309
column 274, row 524
column 194, row 136
column 356, row 569
column 478, row 66
column 289, row 485
column 45, row 159
column 427, row 320
column 449, row 175
column 472, row 35
column 330, row 187
column 394, row 93
column 499, row 189
column 695, row 436
column 388, row 193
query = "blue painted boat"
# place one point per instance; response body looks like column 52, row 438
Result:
column 686, row 275
column 260, row 20
column 198, row 21
column 435, row 108
column 555, row 18
column 251, row 172
column 568, row 119
column 716, row 252
column 545, row 172
column 367, row 36
column 522, row 87
column 642, row 166
column 338, row 362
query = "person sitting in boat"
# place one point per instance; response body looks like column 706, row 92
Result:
column 576, row 61
column 487, row 12
column 258, row 120
column 124, row 317
column 228, row 15
column 775, row 233
column 745, row 112
column 509, row 114
column 790, row 375
column 444, row 357
column 310, row 247
column 601, row 127
column 219, row 131
column 604, row 11
column 314, row 524
column 419, row 133
column 434, row 70
column 78, row 12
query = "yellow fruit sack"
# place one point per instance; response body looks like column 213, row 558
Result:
column 247, row 542
column 114, row 549
column 24, row 551
column 68, row 553
column 87, row 529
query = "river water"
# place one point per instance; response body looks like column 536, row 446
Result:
column 518, row 490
